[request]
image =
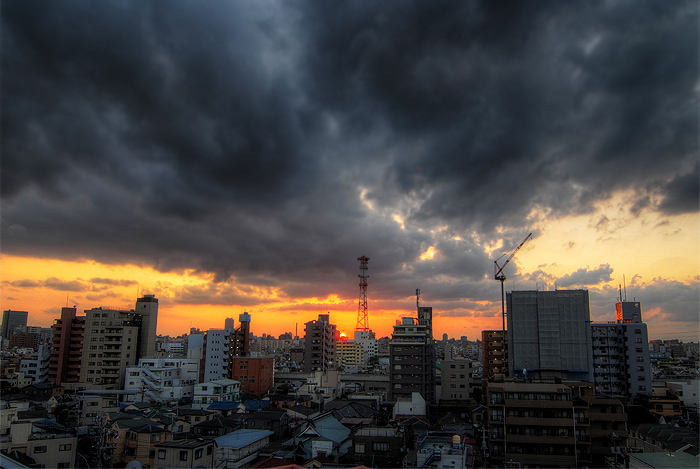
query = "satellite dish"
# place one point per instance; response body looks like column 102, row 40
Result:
column 134, row 465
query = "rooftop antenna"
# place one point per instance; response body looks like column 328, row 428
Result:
column 417, row 297
column 625, row 285
column 620, row 287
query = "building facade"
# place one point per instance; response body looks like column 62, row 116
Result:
column 115, row 339
column 12, row 320
column 621, row 353
column 495, row 365
column 256, row 375
column 412, row 357
column 319, row 348
column 549, row 335
column 162, row 379
column 66, row 347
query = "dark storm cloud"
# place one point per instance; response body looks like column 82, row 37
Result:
column 236, row 138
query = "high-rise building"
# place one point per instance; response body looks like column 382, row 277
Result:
column 12, row 320
column 116, row 339
column 368, row 341
column 549, row 334
column 216, row 354
column 66, row 347
column 621, row 353
column 412, row 357
column 457, row 378
column 228, row 323
column 319, row 348
column 240, row 340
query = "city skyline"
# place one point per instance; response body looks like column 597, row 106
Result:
column 241, row 157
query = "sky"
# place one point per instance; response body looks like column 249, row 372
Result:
column 240, row 156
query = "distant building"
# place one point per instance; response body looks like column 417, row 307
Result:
column 549, row 334
column 66, row 347
column 228, row 323
column 12, row 320
column 412, row 357
column 349, row 356
column 621, row 353
column 319, row 348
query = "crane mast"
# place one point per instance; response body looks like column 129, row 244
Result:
column 499, row 275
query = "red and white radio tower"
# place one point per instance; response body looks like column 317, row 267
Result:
column 362, row 313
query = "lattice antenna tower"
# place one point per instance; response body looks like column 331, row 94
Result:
column 362, row 313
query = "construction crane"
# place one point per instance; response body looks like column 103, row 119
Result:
column 499, row 275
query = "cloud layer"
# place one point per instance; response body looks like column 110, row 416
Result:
column 271, row 144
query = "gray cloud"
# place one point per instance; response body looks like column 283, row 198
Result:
column 587, row 277
column 270, row 143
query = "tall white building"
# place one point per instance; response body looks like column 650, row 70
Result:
column 621, row 353
column 162, row 379
column 216, row 354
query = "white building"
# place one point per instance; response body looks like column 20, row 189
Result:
column 367, row 340
column 36, row 364
column 216, row 354
column 413, row 407
column 162, row 379
column 220, row 390
column 621, row 353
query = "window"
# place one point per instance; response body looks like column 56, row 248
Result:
column 66, row 447
column 359, row 448
column 198, row 453
column 380, row 446
column 161, row 454
column 183, row 455
column 155, row 437
column 40, row 449
column 209, row 449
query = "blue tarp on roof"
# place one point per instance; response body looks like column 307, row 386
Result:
column 256, row 404
column 224, row 405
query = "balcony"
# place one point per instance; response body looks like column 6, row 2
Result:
column 536, row 421
column 543, row 439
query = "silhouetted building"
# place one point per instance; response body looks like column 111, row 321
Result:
column 412, row 357
column 319, row 344
column 12, row 320
column 549, row 334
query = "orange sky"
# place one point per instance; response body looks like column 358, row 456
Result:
column 644, row 249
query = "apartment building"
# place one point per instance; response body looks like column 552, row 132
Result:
column 495, row 364
column 412, row 357
column 162, row 379
column 320, row 344
column 622, row 365
column 66, row 347
column 537, row 425
column 115, row 339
